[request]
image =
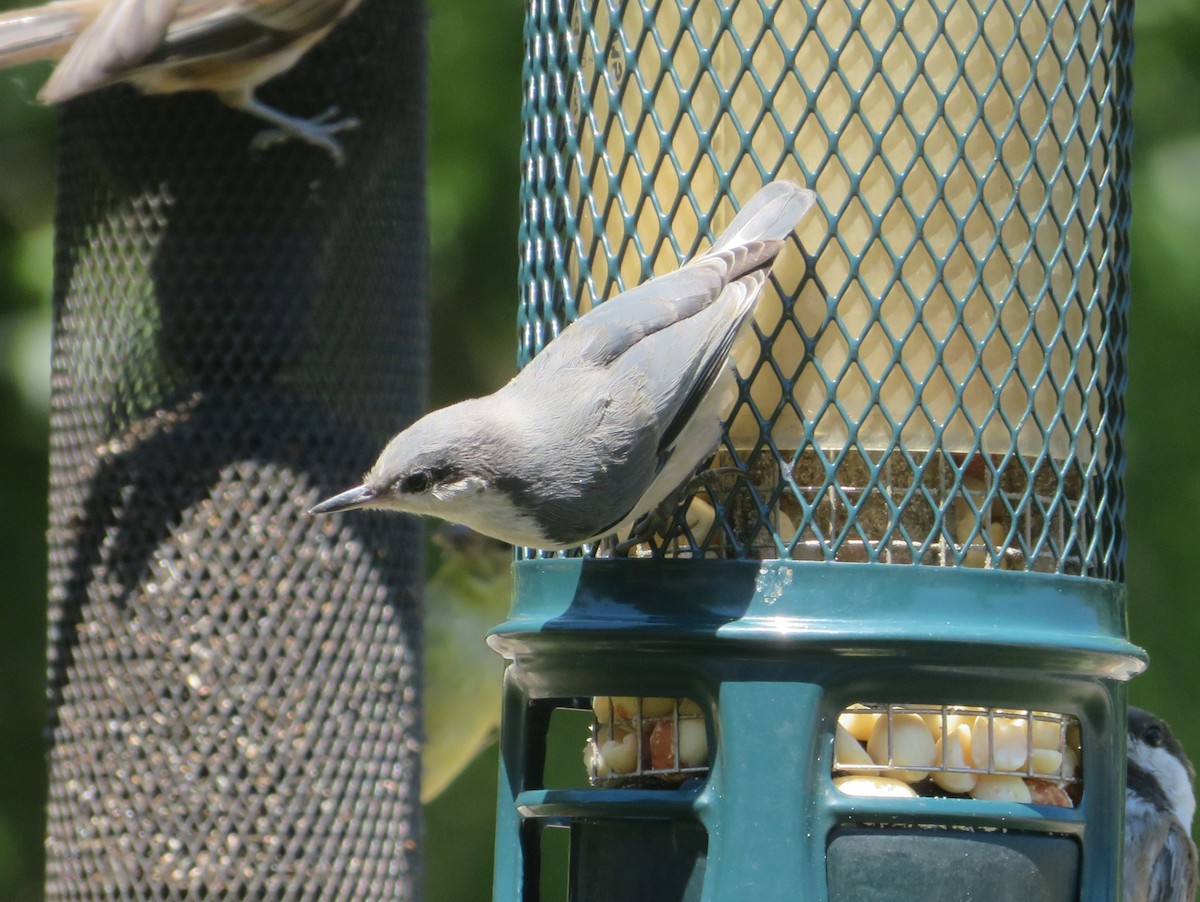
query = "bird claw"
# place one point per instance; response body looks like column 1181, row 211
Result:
column 658, row 522
column 318, row 131
column 653, row 523
column 643, row 531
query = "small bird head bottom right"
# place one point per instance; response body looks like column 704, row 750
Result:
column 1160, row 802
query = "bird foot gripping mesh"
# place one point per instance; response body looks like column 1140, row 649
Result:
column 939, row 376
column 233, row 685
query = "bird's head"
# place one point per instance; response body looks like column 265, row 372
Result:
column 431, row 467
column 1156, row 755
column 450, row 464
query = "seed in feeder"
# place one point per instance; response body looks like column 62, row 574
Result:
column 954, row 750
column 859, row 725
column 662, row 746
column 1047, row 792
column 1047, row 762
column 1003, row 747
column 910, row 744
column 625, row 707
column 614, row 756
column 658, row 707
column 952, row 721
column 693, row 745
column 688, row 708
column 700, row 517
column 1047, row 734
column 1001, row 788
column 847, row 751
column 602, row 708
column 934, row 723
column 1070, row 765
column 874, row 787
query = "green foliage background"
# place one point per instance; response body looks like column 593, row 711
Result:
column 475, row 49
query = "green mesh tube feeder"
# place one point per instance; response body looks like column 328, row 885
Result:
column 939, row 387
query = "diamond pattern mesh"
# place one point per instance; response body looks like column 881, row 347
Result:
column 939, row 374
column 233, row 684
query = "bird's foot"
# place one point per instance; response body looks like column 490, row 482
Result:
column 318, row 131
column 658, row 522
column 647, row 527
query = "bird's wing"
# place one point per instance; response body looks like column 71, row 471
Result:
column 132, row 34
column 1173, row 877
column 659, row 386
column 121, row 37
column 674, row 331
column 609, row 330
column 242, row 28
column 752, row 240
column 297, row 16
column 734, row 306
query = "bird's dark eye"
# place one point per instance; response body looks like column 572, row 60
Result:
column 1154, row 735
column 418, row 482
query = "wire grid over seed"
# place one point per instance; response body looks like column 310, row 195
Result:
column 939, row 376
column 1040, row 748
column 645, row 742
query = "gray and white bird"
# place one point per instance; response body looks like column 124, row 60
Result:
column 229, row 47
column 1160, row 802
column 609, row 419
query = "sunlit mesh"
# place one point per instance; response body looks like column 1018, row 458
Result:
column 233, row 683
column 940, row 376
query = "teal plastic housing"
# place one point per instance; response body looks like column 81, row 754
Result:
column 772, row 651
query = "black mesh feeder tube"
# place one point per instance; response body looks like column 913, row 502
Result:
column 773, row 709
column 233, row 685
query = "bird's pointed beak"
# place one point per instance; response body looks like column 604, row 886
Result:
column 359, row 496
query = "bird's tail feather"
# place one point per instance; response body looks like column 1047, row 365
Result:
column 772, row 213
column 40, row 33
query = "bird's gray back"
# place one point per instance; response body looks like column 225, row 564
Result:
column 584, row 449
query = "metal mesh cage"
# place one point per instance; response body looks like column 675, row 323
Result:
column 880, row 750
column 233, row 685
column 940, row 376
column 957, row 751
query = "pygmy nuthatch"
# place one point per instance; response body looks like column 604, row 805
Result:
column 229, row 47
column 1160, row 801
column 614, row 414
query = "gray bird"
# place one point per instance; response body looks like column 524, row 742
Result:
column 612, row 416
column 1160, row 802
column 229, row 47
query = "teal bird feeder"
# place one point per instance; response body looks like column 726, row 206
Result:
column 881, row 652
